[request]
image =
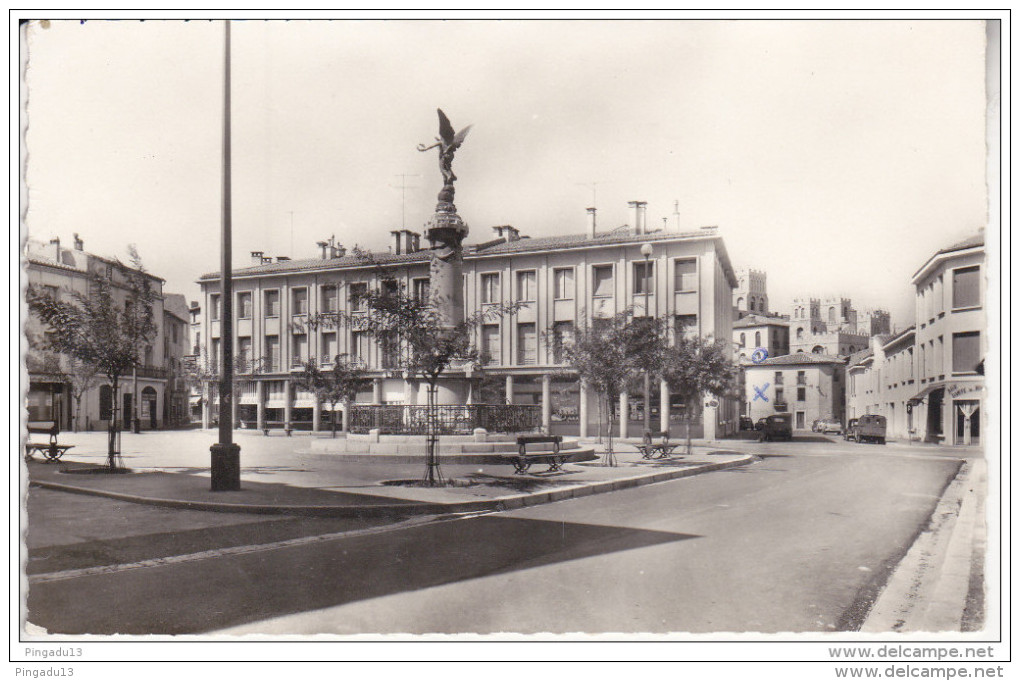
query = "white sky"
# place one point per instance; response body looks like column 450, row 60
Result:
column 837, row 156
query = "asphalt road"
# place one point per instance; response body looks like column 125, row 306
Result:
column 801, row 541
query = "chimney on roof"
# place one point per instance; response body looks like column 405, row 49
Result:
column 56, row 248
column 396, row 241
column 410, row 240
column 281, row 258
column 710, row 227
column 591, row 222
column 79, row 245
column 507, row 233
column 323, row 245
column 640, row 208
column 256, row 257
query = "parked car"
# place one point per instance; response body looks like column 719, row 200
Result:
column 849, row 432
column 760, row 423
column 778, row 427
column 814, row 425
column 829, row 426
column 870, row 428
column 746, row 423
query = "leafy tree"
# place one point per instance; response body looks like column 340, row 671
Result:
column 421, row 340
column 98, row 329
column 200, row 370
column 694, row 367
column 610, row 354
column 81, row 376
column 340, row 383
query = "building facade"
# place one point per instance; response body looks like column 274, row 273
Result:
column 928, row 381
column 61, row 271
column 562, row 281
column 881, row 380
column 809, row 386
column 757, row 331
column 832, row 326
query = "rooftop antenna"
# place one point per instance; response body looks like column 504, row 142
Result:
column 403, row 194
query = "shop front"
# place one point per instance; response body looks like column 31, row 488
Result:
column 951, row 412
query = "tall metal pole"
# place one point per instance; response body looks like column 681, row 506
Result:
column 226, row 456
column 648, row 379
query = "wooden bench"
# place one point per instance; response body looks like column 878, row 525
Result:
column 276, row 424
column 524, row 460
column 51, row 450
column 652, row 449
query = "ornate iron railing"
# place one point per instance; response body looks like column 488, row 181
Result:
column 403, row 419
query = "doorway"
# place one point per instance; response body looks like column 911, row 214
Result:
column 148, row 406
column 968, row 422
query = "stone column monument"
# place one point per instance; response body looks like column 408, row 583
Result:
column 447, row 231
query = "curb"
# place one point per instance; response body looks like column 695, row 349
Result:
column 496, row 504
column 925, row 596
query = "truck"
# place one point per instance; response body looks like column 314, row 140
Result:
column 869, row 428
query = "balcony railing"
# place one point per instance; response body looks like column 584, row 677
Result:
column 780, row 406
column 151, row 372
column 406, row 419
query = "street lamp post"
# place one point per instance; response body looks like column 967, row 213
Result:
column 225, row 464
column 646, row 250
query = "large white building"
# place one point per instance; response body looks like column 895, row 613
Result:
column 928, row 381
column 562, row 280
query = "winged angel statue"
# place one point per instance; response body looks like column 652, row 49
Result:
column 448, row 143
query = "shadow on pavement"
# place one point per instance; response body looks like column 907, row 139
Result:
column 207, row 595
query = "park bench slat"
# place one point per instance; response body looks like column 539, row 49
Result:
column 524, row 459
column 52, row 450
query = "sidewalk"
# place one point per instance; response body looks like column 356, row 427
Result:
column 279, row 476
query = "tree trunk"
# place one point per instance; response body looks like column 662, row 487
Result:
column 610, row 458
column 111, row 450
column 688, row 423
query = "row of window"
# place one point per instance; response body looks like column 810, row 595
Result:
column 490, row 349
column 966, row 283
column 966, row 359
column 299, row 300
column 757, row 339
column 685, row 279
column 685, row 272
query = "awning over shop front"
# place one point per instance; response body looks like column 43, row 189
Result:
column 953, row 389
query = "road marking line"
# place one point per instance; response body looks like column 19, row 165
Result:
column 241, row 550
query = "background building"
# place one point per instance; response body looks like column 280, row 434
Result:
column 60, row 271
column 928, row 381
column 751, row 295
column 755, row 331
column 809, row 386
column 881, row 380
column 832, row 326
column 562, row 280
